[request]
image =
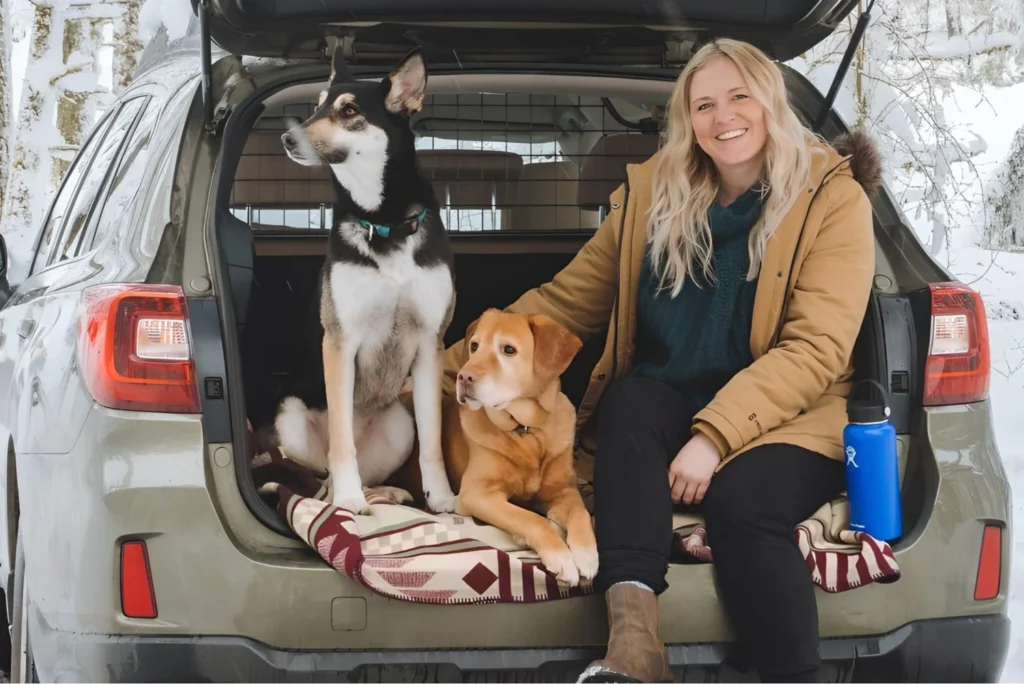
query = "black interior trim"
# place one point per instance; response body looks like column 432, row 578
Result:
column 232, row 145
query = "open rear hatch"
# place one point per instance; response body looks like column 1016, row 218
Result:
column 626, row 32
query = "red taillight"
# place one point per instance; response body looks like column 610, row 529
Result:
column 986, row 583
column 137, row 596
column 958, row 366
column 134, row 350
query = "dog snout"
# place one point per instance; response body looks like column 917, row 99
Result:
column 464, row 378
column 289, row 141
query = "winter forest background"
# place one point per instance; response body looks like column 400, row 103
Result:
column 938, row 83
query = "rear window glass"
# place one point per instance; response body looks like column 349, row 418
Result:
column 497, row 162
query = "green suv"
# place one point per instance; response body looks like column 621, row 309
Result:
column 177, row 265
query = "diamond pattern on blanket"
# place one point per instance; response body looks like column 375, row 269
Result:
column 480, row 578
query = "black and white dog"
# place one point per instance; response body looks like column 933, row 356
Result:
column 387, row 291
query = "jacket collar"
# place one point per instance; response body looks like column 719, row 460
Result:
column 826, row 163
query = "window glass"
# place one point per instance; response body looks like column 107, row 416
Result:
column 125, row 182
column 67, row 191
column 94, row 179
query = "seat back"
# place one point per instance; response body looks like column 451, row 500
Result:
column 604, row 169
column 276, row 188
column 473, row 179
column 547, row 199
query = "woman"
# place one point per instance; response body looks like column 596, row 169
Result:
column 734, row 270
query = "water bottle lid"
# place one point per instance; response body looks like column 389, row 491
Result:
column 867, row 410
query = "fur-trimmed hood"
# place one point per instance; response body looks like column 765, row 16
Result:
column 865, row 159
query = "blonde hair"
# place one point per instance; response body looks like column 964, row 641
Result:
column 685, row 182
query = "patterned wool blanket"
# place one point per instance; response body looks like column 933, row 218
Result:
column 405, row 553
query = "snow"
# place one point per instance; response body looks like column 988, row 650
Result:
column 19, row 60
column 964, row 46
column 175, row 16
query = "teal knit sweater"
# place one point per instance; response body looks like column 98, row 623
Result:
column 699, row 339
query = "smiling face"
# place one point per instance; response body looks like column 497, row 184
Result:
column 508, row 356
column 358, row 126
column 728, row 123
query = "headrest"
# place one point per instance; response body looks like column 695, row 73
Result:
column 267, row 177
column 471, row 176
column 604, row 169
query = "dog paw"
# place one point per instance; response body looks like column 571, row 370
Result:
column 561, row 564
column 395, row 495
column 353, row 502
column 441, row 501
column 585, row 556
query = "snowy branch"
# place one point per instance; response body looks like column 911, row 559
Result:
column 965, row 46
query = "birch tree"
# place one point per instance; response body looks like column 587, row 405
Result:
column 81, row 56
column 1005, row 228
column 5, row 96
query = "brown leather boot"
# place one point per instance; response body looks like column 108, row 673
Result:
column 635, row 652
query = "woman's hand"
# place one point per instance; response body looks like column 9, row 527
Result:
column 690, row 471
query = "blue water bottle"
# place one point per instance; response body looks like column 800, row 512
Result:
column 872, row 466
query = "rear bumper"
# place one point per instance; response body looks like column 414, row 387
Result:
column 952, row 649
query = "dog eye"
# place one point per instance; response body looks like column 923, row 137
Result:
column 509, row 350
column 349, row 110
column 473, row 346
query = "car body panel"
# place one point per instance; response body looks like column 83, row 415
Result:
column 972, row 650
column 186, row 505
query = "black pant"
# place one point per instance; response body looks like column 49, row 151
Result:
column 751, row 509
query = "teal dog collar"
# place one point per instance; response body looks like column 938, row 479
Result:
column 384, row 229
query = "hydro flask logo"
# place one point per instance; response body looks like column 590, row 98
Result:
column 851, row 454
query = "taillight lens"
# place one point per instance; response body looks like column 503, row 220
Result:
column 134, row 350
column 958, row 365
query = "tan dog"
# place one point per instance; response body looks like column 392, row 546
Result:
column 508, row 437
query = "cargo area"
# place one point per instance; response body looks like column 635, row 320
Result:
column 523, row 166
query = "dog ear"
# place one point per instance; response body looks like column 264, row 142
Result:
column 407, row 84
column 339, row 69
column 554, row 347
